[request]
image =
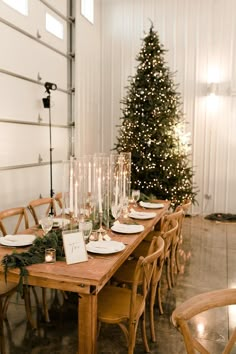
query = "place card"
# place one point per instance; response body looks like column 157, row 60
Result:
column 74, row 246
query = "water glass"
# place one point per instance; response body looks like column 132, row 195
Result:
column 116, row 210
column 86, row 227
column 135, row 195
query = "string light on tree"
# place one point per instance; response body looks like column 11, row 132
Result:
column 152, row 128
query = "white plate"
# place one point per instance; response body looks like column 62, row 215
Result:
column 151, row 205
column 142, row 215
column 105, row 247
column 60, row 222
column 17, row 240
column 127, row 228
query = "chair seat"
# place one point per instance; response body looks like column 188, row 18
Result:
column 6, row 287
column 114, row 304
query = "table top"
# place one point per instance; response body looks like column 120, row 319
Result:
column 85, row 277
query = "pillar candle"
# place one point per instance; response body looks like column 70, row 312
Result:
column 116, row 191
column 71, row 186
column 76, row 199
column 89, row 178
column 99, row 195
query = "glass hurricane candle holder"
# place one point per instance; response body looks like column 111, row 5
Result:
column 50, row 255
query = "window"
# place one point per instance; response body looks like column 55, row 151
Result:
column 87, row 9
column 19, row 5
column 54, row 26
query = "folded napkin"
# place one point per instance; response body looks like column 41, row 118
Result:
column 105, row 247
column 19, row 238
column 151, row 205
column 141, row 215
column 127, row 228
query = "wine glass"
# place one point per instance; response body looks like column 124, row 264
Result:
column 135, row 195
column 46, row 224
column 116, row 210
column 86, row 227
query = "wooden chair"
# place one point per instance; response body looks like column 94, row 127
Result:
column 58, row 199
column 20, row 217
column 41, row 206
column 184, row 207
column 196, row 305
column 124, row 306
column 166, row 225
column 125, row 274
column 6, row 291
column 16, row 218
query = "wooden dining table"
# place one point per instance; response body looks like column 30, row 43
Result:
column 86, row 278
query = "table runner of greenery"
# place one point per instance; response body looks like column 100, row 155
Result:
column 35, row 254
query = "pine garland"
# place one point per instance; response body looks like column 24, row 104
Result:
column 36, row 254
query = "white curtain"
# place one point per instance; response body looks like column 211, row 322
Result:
column 200, row 36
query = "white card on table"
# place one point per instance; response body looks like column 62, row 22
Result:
column 74, row 246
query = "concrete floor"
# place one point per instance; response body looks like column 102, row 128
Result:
column 208, row 258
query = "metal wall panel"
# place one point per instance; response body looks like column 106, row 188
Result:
column 31, row 56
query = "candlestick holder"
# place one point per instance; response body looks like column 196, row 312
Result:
column 101, row 231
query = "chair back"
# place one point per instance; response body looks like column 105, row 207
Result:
column 14, row 218
column 185, row 206
column 58, row 199
column 168, row 218
column 41, row 207
column 169, row 235
column 196, row 305
column 145, row 268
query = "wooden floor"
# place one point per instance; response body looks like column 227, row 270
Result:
column 208, row 259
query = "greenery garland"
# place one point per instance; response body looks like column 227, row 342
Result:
column 36, row 254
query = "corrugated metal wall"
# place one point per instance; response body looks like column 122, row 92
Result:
column 28, row 56
column 200, row 36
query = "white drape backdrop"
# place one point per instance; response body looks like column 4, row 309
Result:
column 200, row 36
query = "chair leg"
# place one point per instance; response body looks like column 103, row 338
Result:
column 132, row 337
column 177, row 258
column 45, row 305
column 168, row 273
column 159, row 298
column 144, row 333
column 153, row 292
column 2, row 339
column 172, row 268
column 28, row 308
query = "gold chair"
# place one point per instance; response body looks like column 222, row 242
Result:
column 41, row 206
column 196, row 305
column 125, row 273
column 184, row 207
column 124, row 306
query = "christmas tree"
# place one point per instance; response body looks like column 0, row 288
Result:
column 152, row 129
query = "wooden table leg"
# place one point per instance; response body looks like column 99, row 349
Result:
column 87, row 324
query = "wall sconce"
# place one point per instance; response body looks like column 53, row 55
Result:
column 213, row 89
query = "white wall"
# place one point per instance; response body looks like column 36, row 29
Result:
column 89, row 129
column 200, row 36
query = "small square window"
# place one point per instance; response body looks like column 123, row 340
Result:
column 87, row 9
column 19, row 5
column 54, row 26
